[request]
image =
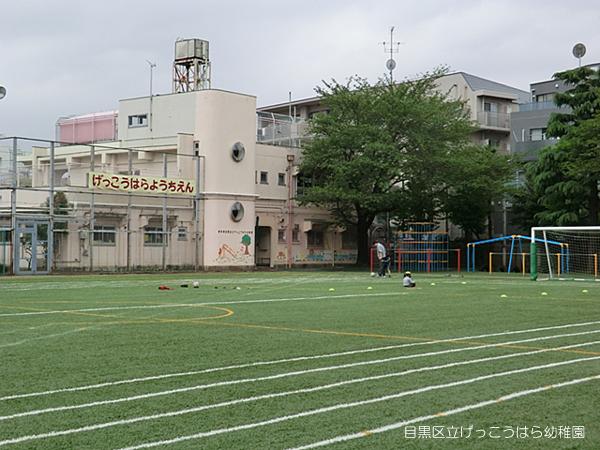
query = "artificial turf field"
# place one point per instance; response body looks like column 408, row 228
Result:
column 279, row 360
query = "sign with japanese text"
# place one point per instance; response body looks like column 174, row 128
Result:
column 140, row 184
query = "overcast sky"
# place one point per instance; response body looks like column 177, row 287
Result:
column 64, row 57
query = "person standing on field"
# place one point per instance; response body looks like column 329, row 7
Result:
column 384, row 260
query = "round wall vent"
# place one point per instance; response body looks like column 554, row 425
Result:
column 238, row 151
column 237, row 212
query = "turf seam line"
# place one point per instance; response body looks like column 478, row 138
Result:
column 276, row 395
column 274, row 377
column 286, row 360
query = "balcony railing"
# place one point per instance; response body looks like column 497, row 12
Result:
column 281, row 130
column 537, row 106
column 494, row 119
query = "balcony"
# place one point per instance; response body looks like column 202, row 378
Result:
column 495, row 120
column 537, row 106
column 281, row 130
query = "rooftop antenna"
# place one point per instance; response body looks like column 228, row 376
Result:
column 393, row 48
column 579, row 51
column 152, row 66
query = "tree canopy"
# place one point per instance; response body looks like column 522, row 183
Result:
column 402, row 148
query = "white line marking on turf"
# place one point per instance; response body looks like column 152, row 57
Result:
column 276, row 376
column 368, row 402
column 44, row 337
column 278, row 394
column 449, row 412
column 287, row 360
column 180, row 305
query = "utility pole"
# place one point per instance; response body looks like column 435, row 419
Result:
column 393, row 48
column 152, row 66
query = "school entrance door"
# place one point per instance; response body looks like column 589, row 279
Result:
column 32, row 255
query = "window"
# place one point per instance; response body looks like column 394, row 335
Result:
column 281, row 236
column 302, row 182
column 182, row 234
column 5, row 236
column 544, row 98
column 264, row 178
column 537, row 134
column 138, row 120
column 153, row 236
column 314, row 237
column 105, row 235
column 296, row 233
column 281, row 179
column 490, row 107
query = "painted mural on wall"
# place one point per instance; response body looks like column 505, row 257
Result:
column 236, row 247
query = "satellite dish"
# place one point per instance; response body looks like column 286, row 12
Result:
column 2, row 92
column 579, row 50
column 390, row 64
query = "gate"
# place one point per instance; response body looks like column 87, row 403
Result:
column 32, row 252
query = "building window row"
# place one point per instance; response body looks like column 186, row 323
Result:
column 263, row 178
column 106, row 235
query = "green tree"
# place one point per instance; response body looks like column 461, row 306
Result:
column 565, row 178
column 386, row 148
column 475, row 178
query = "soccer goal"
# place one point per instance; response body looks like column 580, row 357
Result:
column 565, row 253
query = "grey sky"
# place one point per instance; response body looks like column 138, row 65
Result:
column 66, row 57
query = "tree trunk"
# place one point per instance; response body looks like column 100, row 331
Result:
column 362, row 241
column 594, row 203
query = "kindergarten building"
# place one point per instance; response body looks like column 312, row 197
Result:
column 194, row 179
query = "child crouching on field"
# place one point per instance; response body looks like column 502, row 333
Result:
column 407, row 281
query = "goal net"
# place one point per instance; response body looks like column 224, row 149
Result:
column 565, row 252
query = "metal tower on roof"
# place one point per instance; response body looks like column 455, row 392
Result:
column 191, row 68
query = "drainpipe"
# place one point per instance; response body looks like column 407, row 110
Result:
column 290, row 224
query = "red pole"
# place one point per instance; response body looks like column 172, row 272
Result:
column 428, row 260
column 458, row 253
column 399, row 259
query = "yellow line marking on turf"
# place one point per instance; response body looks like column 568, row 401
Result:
column 229, row 312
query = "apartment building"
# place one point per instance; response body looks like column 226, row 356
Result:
column 529, row 123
